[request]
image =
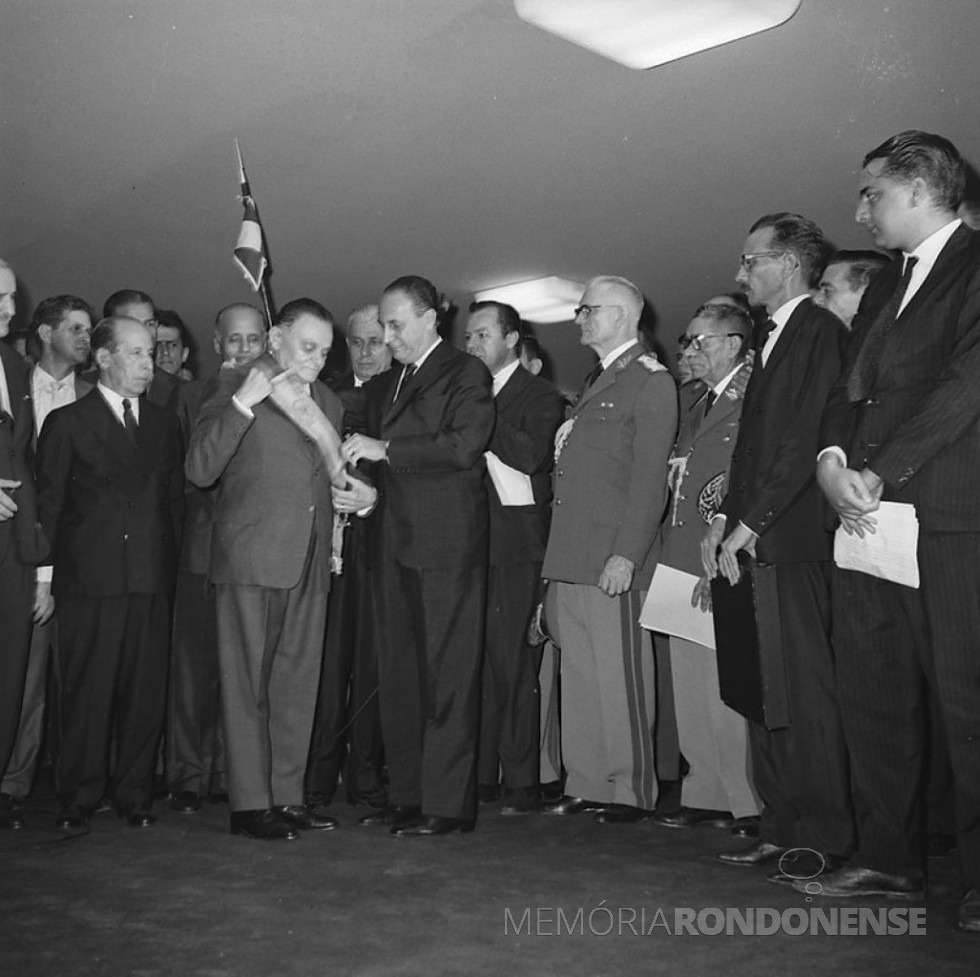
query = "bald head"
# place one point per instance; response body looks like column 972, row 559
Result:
column 8, row 294
column 239, row 334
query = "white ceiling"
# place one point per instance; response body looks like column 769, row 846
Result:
column 440, row 137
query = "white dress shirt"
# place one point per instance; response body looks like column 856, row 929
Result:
column 780, row 317
column 115, row 402
column 501, row 377
column 49, row 394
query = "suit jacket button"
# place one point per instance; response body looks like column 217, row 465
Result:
column 680, row 522
column 312, row 508
column 557, row 501
column 125, row 535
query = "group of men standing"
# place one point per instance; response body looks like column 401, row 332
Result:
column 445, row 471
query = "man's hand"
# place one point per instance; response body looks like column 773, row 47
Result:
column 709, row 547
column 43, row 602
column 7, row 505
column 617, row 575
column 740, row 538
column 355, row 496
column 701, row 596
column 849, row 493
column 358, row 446
column 255, row 388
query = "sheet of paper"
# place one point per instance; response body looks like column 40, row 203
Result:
column 668, row 608
column 890, row 553
column 513, row 487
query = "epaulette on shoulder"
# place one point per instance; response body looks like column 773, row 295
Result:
column 651, row 363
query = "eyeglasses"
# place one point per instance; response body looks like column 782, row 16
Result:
column 585, row 311
column 748, row 260
column 697, row 342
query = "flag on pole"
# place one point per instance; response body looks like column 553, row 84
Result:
column 250, row 249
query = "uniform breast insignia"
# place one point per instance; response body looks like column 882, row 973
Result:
column 709, row 498
column 561, row 436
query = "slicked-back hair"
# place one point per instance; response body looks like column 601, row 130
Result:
column 634, row 295
column 862, row 266
column 421, row 291
column 51, row 311
column 291, row 311
column 508, row 318
column 105, row 335
column 367, row 311
column 237, row 307
column 125, row 296
column 167, row 317
column 793, row 232
column 935, row 159
column 732, row 317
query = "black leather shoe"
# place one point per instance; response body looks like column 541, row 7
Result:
column 303, row 818
column 968, row 917
column 621, row 814
column 487, row 793
column 391, row 816
column 939, row 845
column 747, row 827
column 760, row 853
column 803, row 865
column 71, row 817
column 262, row 825
column 856, row 881
column 428, row 825
column 521, row 800
column 693, row 817
column 186, row 802
column 572, row 805
column 135, row 815
column 551, row 790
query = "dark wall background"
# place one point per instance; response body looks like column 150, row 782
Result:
column 440, row 137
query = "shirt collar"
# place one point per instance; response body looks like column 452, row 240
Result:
column 611, row 358
column 928, row 251
column 418, row 363
column 782, row 314
column 719, row 388
column 41, row 376
column 115, row 401
column 501, row 377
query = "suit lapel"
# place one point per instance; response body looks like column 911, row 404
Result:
column 427, row 374
column 512, row 389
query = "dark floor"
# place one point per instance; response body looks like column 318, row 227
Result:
column 184, row 897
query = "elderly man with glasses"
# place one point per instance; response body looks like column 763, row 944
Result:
column 610, row 493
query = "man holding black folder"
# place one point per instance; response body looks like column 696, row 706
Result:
column 774, row 509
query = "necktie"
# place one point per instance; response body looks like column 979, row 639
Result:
column 129, row 420
column 762, row 335
column 592, row 376
column 407, row 373
column 709, row 401
column 865, row 371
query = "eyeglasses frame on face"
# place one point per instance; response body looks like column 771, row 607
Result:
column 585, row 311
column 746, row 261
column 697, row 342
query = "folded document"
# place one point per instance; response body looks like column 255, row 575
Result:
column 890, row 553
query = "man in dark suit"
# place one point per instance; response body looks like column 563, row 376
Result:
column 348, row 721
column 22, row 546
column 61, row 327
column 844, row 280
column 137, row 305
column 901, row 425
column 519, row 462
column 194, row 745
column 774, row 508
column 426, row 427
column 610, row 495
column 110, row 494
column 270, row 546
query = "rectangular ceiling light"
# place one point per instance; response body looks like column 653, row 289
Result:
column 644, row 33
column 549, row 299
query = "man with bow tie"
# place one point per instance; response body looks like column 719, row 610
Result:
column 61, row 326
column 425, row 427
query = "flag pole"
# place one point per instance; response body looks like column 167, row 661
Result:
column 251, row 214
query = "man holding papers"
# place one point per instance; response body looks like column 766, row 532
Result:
column 519, row 462
column 901, row 425
column 713, row 737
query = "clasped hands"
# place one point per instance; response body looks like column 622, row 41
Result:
column 719, row 553
column 853, row 495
